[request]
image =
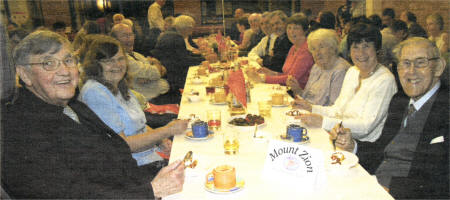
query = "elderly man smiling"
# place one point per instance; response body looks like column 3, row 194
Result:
column 411, row 157
column 56, row 147
column 145, row 72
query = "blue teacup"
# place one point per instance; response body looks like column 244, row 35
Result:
column 200, row 129
column 296, row 132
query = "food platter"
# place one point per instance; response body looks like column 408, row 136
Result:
column 245, row 127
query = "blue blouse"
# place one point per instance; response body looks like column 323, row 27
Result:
column 119, row 114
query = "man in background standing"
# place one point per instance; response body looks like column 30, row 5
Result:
column 155, row 18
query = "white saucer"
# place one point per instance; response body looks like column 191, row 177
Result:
column 218, row 103
column 285, row 105
column 349, row 161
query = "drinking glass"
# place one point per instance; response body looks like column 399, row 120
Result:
column 231, row 141
column 214, row 119
column 264, row 108
column 210, row 90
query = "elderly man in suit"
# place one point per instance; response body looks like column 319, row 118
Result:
column 411, row 158
column 55, row 147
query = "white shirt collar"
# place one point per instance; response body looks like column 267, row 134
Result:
column 419, row 103
column 273, row 35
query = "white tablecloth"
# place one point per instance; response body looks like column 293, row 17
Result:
column 354, row 183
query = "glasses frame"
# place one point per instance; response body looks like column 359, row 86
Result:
column 58, row 63
column 415, row 63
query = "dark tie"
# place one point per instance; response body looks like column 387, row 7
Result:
column 411, row 111
column 268, row 46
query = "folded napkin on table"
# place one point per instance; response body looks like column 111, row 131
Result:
column 236, row 83
column 162, row 109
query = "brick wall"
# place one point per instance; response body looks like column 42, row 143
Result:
column 317, row 5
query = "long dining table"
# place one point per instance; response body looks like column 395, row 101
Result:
column 352, row 183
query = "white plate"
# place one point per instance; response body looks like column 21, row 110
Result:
column 285, row 105
column 218, row 103
column 194, row 98
column 210, row 135
column 196, row 81
column 349, row 161
column 244, row 128
column 239, row 186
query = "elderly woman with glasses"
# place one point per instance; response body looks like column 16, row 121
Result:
column 328, row 72
column 107, row 93
column 366, row 91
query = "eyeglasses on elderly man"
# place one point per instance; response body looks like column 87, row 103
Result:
column 54, row 146
column 52, row 64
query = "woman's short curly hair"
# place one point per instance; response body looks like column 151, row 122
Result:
column 363, row 32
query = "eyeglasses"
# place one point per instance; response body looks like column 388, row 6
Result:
column 112, row 61
column 53, row 64
column 419, row 63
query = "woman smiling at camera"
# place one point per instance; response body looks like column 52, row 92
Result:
column 107, row 93
column 328, row 72
column 298, row 61
column 366, row 91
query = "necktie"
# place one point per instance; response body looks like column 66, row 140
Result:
column 268, row 46
column 69, row 112
column 411, row 111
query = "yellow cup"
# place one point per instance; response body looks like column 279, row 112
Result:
column 264, row 108
column 223, row 177
column 279, row 99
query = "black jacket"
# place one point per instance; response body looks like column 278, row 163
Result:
column 46, row 154
column 281, row 49
column 429, row 173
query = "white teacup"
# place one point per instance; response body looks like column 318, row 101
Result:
column 194, row 98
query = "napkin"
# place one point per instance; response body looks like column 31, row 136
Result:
column 162, row 109
column 236, row 83
column 221, row 45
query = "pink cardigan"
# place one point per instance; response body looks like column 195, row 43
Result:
column 298, row 64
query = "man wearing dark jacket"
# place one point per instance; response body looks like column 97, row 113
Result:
column 411, row 158
column 55, row 147
column 275, row 60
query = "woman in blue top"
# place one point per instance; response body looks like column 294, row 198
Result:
column 107, row 93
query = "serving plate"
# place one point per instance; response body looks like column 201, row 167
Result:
column 245, row 128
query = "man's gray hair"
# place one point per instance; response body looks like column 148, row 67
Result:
column 115, row 28
column 183, row 22
column 432, row 48
column 266, row 14
column 280, row 14
column 38, row 42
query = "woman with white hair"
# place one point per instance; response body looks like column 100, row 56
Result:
column 328, row 72
column 184, row 25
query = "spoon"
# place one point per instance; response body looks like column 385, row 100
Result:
column 256, row 130
column 334, row 140
column 188, row 160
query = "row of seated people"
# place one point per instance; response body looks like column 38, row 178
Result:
column 368, row 85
